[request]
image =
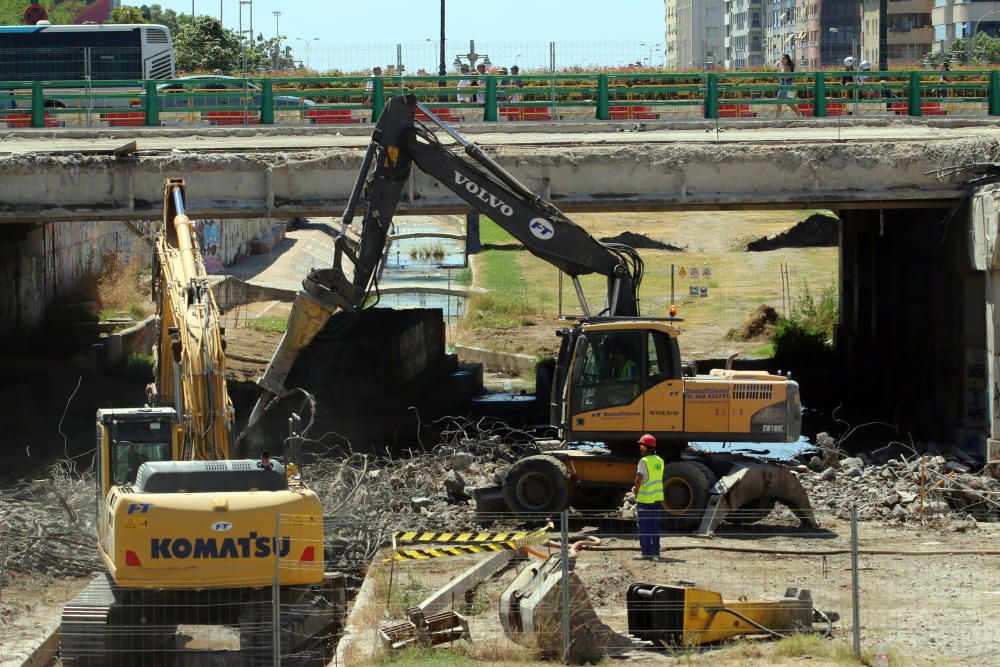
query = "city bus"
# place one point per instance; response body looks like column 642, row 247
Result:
column 85, row 53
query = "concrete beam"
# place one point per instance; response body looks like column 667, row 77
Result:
column 594, row 175
column 456, row 589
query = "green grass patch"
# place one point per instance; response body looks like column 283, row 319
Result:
column 490, row 311
column 135, row 364
column 269, row 324
column 765, row 351
column 491, row 232
column 133, row 311
column 464, row 276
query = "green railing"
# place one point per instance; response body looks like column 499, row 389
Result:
column 536, row 97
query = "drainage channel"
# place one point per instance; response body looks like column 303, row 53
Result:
column 424, row 265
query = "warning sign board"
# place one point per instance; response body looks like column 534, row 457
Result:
column 683, row 272
column 34, row 13
column 693, row 272
column 693, row 290
column 706, row 272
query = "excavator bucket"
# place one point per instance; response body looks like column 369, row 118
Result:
column 531, row 614
column 748, row 492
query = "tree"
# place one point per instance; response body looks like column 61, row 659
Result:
column 126, row 14
column 985, row 49
column 12, row 11
column 205, row 46
column 168, row 17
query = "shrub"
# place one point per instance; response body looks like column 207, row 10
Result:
column 806, row 336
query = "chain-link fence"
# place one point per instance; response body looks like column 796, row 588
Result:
column 919, row 591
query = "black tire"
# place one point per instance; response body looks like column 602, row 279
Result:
column 751, row 512
column 589, row 498
column 686, row 489
column 538, row 484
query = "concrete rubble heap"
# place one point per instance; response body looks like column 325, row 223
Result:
column 890, row 488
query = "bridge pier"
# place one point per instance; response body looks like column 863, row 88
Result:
column 984, row 253
column 912, row 339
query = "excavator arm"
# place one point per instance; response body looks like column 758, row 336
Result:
column 399, row 142
column 191, row 360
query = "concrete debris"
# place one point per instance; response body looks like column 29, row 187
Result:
column 890, row 489
column 461, row 461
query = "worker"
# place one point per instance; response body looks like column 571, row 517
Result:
column 622, row 366
column 648, row 490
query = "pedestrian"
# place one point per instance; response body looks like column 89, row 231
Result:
column 787, row 92
column 370, row 85
column 502, row 84
column 464, row 83
column 481, row 82
column 847, row 79
column 945, row 79
column 648, row 490
column 517, row 82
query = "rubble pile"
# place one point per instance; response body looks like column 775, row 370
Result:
column 891, row 489
column 48, row 525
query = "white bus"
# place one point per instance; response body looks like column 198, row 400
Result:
column 86, row 53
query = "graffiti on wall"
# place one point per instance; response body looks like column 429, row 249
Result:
column 210, row 240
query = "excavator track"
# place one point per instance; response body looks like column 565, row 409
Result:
column 83, row 629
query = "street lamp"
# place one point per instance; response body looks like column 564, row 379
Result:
column 649, row 57
column 277, row 35
column 975, row 29
column 307, row 48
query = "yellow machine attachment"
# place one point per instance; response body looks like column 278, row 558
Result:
column 690, row 616
column 193, row 380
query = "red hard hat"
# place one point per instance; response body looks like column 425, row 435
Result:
column 647, row 440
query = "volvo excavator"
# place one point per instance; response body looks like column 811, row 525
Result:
column 592, row 398
column 189, row 536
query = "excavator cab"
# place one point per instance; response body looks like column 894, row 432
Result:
column 129, row 437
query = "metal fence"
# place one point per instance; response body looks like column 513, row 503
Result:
column 490, row 588
column 633, row 96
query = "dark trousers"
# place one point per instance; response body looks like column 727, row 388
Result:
column 648, row 515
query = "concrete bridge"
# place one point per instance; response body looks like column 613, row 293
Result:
column 918, row 342
column 79, row 176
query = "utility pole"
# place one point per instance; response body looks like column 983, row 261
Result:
column 277, row 44
column 442, row 65
column 883, row 35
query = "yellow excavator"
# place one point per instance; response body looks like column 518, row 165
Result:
column 189, row 536
column 618, row 374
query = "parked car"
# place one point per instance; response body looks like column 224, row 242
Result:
column 219, row 91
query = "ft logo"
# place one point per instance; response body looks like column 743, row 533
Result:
column 141, row 508
column 541, row 228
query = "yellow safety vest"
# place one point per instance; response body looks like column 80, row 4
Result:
column 651, row 489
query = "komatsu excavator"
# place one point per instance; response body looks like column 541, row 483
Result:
column 618, row 374
column 187, row 535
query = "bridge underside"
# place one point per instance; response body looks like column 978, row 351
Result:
column 659, row 175
column 918, row 345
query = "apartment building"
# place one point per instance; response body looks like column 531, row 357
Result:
column 694, row 33
column 828, row 31
column 780, row 31
column 954, row 19
column 910, row 34
column 744, row 26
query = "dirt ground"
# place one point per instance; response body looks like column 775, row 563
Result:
column 740, row 281
column 933, row 609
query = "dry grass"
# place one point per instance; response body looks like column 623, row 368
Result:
column 122, row 288
column 740, row 280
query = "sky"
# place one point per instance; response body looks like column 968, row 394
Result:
column 352, row 33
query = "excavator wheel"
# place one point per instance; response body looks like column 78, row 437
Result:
column 538, row 484
column 588, row 498
column 686, row 488
column 753, row 512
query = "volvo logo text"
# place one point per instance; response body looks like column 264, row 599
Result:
column 482, row 195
